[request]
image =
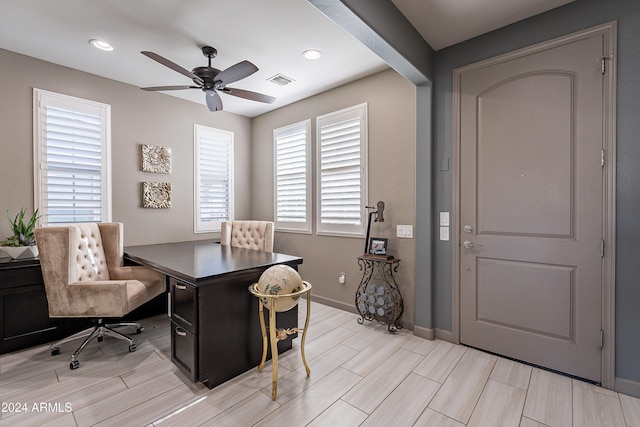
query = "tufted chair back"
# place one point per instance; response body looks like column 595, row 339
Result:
column 91, row 262
column 84, row 274
column 256, row 235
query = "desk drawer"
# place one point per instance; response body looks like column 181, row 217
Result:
column 184, row 307
column 184, row 350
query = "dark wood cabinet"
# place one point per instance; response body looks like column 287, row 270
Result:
column 184, row 350
column 183, row 311
column 24, row 314
column 215, row 329
column 205, row 321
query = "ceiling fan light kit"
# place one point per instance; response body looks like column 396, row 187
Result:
column 211, row 80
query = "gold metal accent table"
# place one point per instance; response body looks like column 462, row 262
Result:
column 277, row 334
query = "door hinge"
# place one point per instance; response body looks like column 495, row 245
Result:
column 603, row 63
column 601, row 338
column 602, row 248
column 602, row 158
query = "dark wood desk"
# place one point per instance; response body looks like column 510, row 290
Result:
column 215, row 330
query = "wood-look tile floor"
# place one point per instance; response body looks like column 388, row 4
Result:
column 360, row 375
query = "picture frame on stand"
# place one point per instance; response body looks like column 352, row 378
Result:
column 377, row 246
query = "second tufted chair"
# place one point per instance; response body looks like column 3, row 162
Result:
column 85, row 277
column 256, row 235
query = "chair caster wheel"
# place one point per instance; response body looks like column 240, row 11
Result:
column 74, row 364
column 55, row 350
column 100, row 339
column 139, row 330
column 132, row 348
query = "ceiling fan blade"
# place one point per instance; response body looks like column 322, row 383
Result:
column 170, row 87
column 172, row 65
column 247, row 94
column 213, row 100
column 236, row 72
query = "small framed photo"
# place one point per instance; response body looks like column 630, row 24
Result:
column 378, row 246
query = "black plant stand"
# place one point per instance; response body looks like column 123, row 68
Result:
column 378, row 297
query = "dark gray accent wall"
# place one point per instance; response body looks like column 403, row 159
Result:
column 572, row 17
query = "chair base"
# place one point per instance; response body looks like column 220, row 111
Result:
column 98, row 331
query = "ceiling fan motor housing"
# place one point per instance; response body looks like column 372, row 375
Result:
column 208, row 76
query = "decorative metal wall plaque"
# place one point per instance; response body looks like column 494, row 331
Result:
column 156, row 159
column 156, row 195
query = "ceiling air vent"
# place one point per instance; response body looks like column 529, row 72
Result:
column 280, row 80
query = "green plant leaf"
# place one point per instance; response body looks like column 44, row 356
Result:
column 22, row 232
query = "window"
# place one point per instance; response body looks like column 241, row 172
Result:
column 72, row 143
column 213, row 178
column 292, row 156
column 342, row 172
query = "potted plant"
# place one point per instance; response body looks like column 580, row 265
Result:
column 22, row 244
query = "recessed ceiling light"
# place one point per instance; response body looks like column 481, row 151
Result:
column 312, row 54
column 102, row 45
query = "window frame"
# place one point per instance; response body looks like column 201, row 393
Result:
column 350, row 113
column 303, row 227
column 226, row 137
column 42, row 99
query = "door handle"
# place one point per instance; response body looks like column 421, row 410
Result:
column 180, row 332
column 181, row 287
column 467, row 244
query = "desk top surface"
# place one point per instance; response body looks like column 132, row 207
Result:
column 195, row 261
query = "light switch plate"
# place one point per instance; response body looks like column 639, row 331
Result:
column 444, row 233
column 444, row 219
column 404, row 231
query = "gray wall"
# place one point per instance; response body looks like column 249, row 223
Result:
column 137, row 117
column 391, row 104
column 569, row 18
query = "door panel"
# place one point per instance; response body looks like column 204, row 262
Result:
column 531, row 194
column 527, row 287
column 514, row 161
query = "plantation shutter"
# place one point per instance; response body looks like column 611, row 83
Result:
column 342, row 156
column 214, row 188
column 72, row 146
column 292, row 177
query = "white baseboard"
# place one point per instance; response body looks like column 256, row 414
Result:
column 625, row 386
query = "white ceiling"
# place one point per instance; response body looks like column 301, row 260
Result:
column 270, row 33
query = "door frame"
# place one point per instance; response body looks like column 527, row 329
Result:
column 609, row 32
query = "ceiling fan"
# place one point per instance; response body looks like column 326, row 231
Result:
column 211, row 80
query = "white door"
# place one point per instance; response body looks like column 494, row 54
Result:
column 531, row 207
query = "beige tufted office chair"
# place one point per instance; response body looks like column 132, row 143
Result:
column 84, row 277
column 257, row 235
